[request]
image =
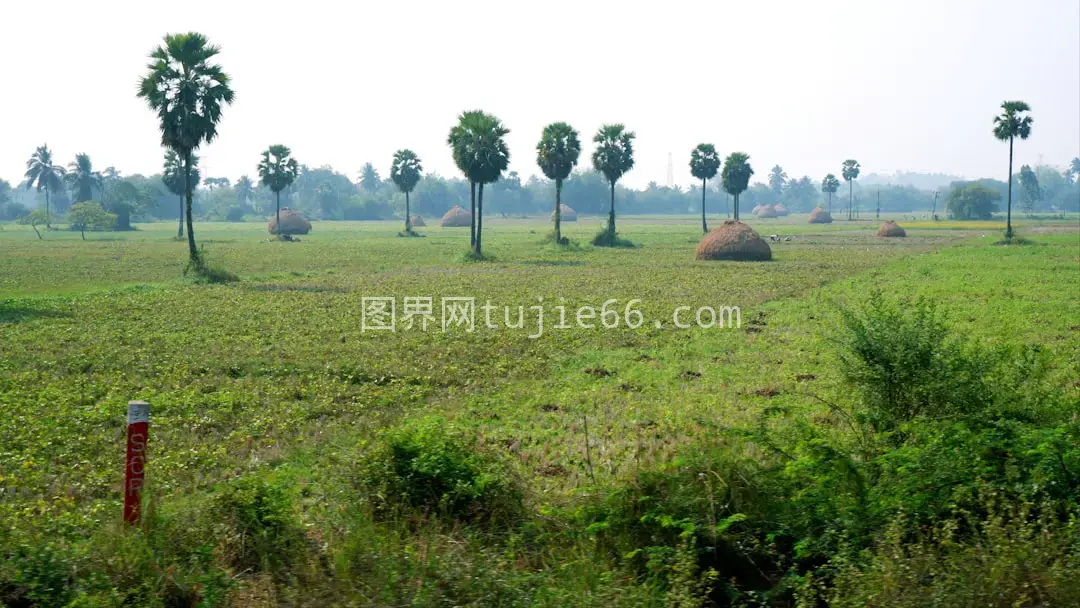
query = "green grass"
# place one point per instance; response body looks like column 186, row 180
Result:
column 273, row 375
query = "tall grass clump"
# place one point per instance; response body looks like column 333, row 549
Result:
column 607, row 238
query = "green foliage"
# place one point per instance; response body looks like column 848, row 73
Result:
column 256, row 525
column 207, row 272
column 558, row 150
column 850, row 170
column 830, row 184
column 35, row 218
column 777, row 179
column 704, row 161
column 173, row 173
column 43, row 174
column 406, row 170
column 478, row 147
column 278, row 169
column 737, row 173
column 614, row 153
column 90, row 215
column 1014, row 121
column 973, row 201
column 82, row 179
column 606, row 238
column 423, row 468
column 369, row 178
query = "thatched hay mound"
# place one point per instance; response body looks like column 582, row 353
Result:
column 456, row 217
column 767, row 211
column 292, row 222
column 417, row 221
column 733, row 240
column 756, row 210
column 891, row 228
column 820, row 216
column 781, row 210
column 566, row 214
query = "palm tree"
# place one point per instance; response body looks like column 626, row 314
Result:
column 369, row 178
column 736, row 176
column 850, row 172
column 245, row 190
column 41, row 171
column 405, row 173
column 82, row 179
column 777, row 179
column 557, row 154
column 1008, row 125
column 614, row 156
column 829, row 186
column 462, row 142
column 176, row 179
column 704, row 163
column 188, row 92
column 277, row 170
column 481, row 153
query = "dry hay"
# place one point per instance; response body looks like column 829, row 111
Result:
column 566, row 214
column 456, row 217
column 820, row 216
column 781, row 210
column 292, row 222
column 768, row 211
column 891, row 228
column 733, row 240
column 756, row 210
column 417, row 221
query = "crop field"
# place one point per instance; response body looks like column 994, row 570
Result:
column 279, row 416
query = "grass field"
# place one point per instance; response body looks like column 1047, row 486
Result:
column 270, row 404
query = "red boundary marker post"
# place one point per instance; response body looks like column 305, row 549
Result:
column 138, row 432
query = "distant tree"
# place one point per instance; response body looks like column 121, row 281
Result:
column 5, row 201
column 1031, row 193
column 736, row 176
column 405, row 172
column 973, row 201
column 187, row 92
column 277, row 170
column 480, row 151
column 800, row 193
column 43, row 174
column 613, row 157
column 369, row 179
column 216, row 182
column 180, row 180
column 90, row 215
column 82, row 179
column 829, row 185
column 557, row 154
column 34, row 219
column 1073, row 171
column 850, row 172
column 704, row 163
column 245, row 191
column 126, row 196
column 777, row 179
column 1013, row 122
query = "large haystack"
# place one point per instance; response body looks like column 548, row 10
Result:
column 456, row 217
column 292, row 222
column 733, row 240
column 781, row 210
column 417, row 221
column 566, row 214
column 820, row 216
column 767, row 211
column 891, row 228
column 756, row 210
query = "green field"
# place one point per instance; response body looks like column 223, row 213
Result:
column 272, row 406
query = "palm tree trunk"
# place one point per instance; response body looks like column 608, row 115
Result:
column 830, row 201
column 48, row 217
column 277, row 213
column 408, row 218
column 82, row 232
column 727, row 204
column 193, row 253
column 180, row 220
column 704, row 226
column 611, row 215
column 472, row 213
column 479, row 219
column 558, row 212
column 736, row 207
column 849, row 200
column 1009, row 208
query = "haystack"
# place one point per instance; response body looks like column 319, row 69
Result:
column 733, row 240
column 292, row 222
column 566, row 214
column 891, row 228
column 456, row 217
column 417, row 221
column 767, row 211
column 820, row 216
column 781, row 210
column 756, row 210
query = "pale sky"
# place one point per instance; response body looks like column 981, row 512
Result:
column 899, row 85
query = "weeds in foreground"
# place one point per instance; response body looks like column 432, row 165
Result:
column 205, row 272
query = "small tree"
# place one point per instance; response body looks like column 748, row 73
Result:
column 557, row 154
column 736, row 176
column 1032, row 193
column 613, row 157
column 850, row 172
column 829, row 186
column 405, row 173
column 973, row 202
column 704, row 163
column 277, row 171
column 1010, row 124
column 90, row 215
column 34, row 219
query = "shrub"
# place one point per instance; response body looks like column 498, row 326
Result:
column 235, row 214
column 605, row 238
column 422, row 467
column 255, row 524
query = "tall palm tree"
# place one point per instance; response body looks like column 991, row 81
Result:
column 245, row 190
column 369, row 178
column 736, row 176
column 42, row 173
column 829, row 186
column 405, row 173
column 188, row 92
column 777, row 179
column 82, row 179
column 462, row 141
column 613, row 156
column 704, row 163
column 557, row 154
column 277, row 171
column 850, row 172
column 176, row 179
column 1010, row 124
column 481, row 153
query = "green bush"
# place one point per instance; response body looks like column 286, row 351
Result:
column 255, row 525
column 605, row 238
column 422, row 467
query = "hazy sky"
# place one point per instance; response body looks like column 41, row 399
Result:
column 904, row 85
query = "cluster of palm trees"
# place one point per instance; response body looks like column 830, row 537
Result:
column 80, row 177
